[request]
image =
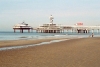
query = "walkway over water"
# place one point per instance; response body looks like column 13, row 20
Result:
column 63, row 28
column 80, row 29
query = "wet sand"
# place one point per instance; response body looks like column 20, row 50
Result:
column 83, row 52
column 8, row 43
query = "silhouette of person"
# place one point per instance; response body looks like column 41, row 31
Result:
column 92, row 35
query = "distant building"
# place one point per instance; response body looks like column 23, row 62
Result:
column 21, row 27
column 49, row 28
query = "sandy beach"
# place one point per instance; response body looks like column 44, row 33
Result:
column 84, row 52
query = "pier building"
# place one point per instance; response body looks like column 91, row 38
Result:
column 22, row 26
column 49, row 27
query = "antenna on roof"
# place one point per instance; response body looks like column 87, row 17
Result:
column 51, row 19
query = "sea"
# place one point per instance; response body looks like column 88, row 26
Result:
column 10, row 35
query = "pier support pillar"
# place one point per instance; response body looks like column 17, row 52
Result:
column 92, row 30
column 14, row 30
column 72, row 30
column 28, row 30
column 22, row 30
column 97, row 30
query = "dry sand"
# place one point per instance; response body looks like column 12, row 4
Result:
column 71, row 53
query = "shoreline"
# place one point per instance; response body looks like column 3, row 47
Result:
column 14, row 44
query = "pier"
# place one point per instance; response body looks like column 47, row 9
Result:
column 54, row 28
column 23, row 26
column 82, row 28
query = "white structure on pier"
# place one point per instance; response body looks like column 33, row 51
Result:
column 49, row 27
column 21, row 27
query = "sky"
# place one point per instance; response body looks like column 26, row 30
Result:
column 37, row 12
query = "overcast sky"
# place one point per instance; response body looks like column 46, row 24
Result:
column 37, row 12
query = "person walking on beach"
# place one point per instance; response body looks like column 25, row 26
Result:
column 92, row 35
